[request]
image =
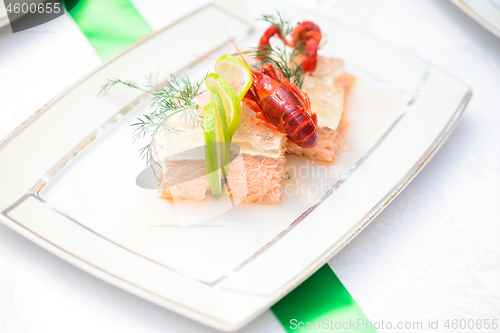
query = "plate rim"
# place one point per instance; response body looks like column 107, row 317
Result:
column 476, row 17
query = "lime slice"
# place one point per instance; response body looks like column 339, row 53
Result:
column 230, row 101
column 236, row 72
column 221, row 133
column 211, row 160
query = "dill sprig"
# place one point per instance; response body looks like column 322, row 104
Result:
column 174, row 98
column 280, row 23
column 280, row 57
column 106, row 87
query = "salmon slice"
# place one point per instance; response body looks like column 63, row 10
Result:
column 257, row 174
column 184, row 180
column 183, row 163
column 329, row 142
column 257, row 178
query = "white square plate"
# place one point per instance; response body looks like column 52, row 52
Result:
column 67, row 175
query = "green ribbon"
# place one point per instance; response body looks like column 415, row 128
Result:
column 323, row 304
column 109, row 25
column 112, row 25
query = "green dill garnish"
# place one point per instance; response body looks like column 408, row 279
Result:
column 280, row 57
column 278, row 21
column 174, row 98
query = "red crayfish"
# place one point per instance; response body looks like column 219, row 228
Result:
column 305, row 32
column 282, row 106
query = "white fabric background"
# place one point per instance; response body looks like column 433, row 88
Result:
column 433, row 253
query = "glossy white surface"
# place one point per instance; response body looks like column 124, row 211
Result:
column 398, row 247
column 4, row 19
column 485, row 12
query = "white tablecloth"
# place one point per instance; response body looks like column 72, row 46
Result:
column 432, row 254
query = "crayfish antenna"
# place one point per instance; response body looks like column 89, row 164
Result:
column 323, row 41
column 205, row 57
column 237, row 49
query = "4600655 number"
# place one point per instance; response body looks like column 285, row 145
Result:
column 47, row 7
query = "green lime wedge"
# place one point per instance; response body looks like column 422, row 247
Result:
column 236, row 72
column 211, row 160
column 230, row 101
column 221, row 133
